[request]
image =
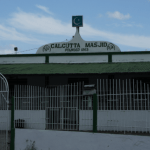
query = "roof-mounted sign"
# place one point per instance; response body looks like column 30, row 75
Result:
column 77, row 21
column 77, row 44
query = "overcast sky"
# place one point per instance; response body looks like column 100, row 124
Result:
column 31, row 24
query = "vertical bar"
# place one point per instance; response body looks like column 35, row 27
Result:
column 52, row 107
column 57, row 93
column 65, row 106
column 113, row 104
column 123, row 95
column 71, row 106
column 98, row 97
column 113, row 95
column 17, row 108
column 120, row 93
column 141, row 94
column 117, row 104
column 110, row 94
column 141, row 99
column 123, row 106
column 137, row 96
column 98, row 94
column 107, row 92
column 148, row 103
column 134, row 107
column 130, row 100
column 65, row 117
column 31, row 110
column 12, row 144
column 49, row 119
column 145, row 106
column 104, row 92
column 77, row 109
column 133, row 95
column 94, row 113
column 55, row 109
column 68, row 102
column 126, row 104
column 130, row 96
column 148, row 95
column 126, row 95
column 116, row 96
column 145, row 96
column 30, row 117
column 100, row 84
column 80, row 103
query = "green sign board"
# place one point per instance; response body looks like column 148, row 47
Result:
column 77, row 21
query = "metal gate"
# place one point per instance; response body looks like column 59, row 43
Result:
column 62, row 111
column 4, row 112
column 54, row 107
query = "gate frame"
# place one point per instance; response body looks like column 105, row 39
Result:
column 7, row 102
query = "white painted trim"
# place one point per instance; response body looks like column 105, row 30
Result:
column 22, row 60
column 79, row 59
column 131, row 58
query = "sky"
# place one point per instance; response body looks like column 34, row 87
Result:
column 30, row 24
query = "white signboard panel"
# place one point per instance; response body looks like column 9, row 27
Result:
column 78, row 45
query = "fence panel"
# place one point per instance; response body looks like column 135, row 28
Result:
column 123, row 105
column 62, row 111
column 55, row 108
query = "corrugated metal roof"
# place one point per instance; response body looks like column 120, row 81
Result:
column 75, row 68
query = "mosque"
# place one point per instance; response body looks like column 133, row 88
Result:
column 121, row 79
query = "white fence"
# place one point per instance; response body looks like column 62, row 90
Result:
column 55, row 108
column 122, row 105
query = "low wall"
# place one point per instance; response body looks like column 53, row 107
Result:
column 5, row 119
column 116, row 120
column 112, row 120
column 34, row 119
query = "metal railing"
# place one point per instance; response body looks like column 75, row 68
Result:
column 122, row 105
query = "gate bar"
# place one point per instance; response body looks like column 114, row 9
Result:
column 12, row 144
column 95, row 113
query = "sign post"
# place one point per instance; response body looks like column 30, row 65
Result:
column 77, row 21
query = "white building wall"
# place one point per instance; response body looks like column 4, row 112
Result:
column 22, row 60
column 85, row 120
column 34, row 119
column 79, row 59
column 131, row 58
column 5, row 119
column 112, row 120
column 116, row 120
